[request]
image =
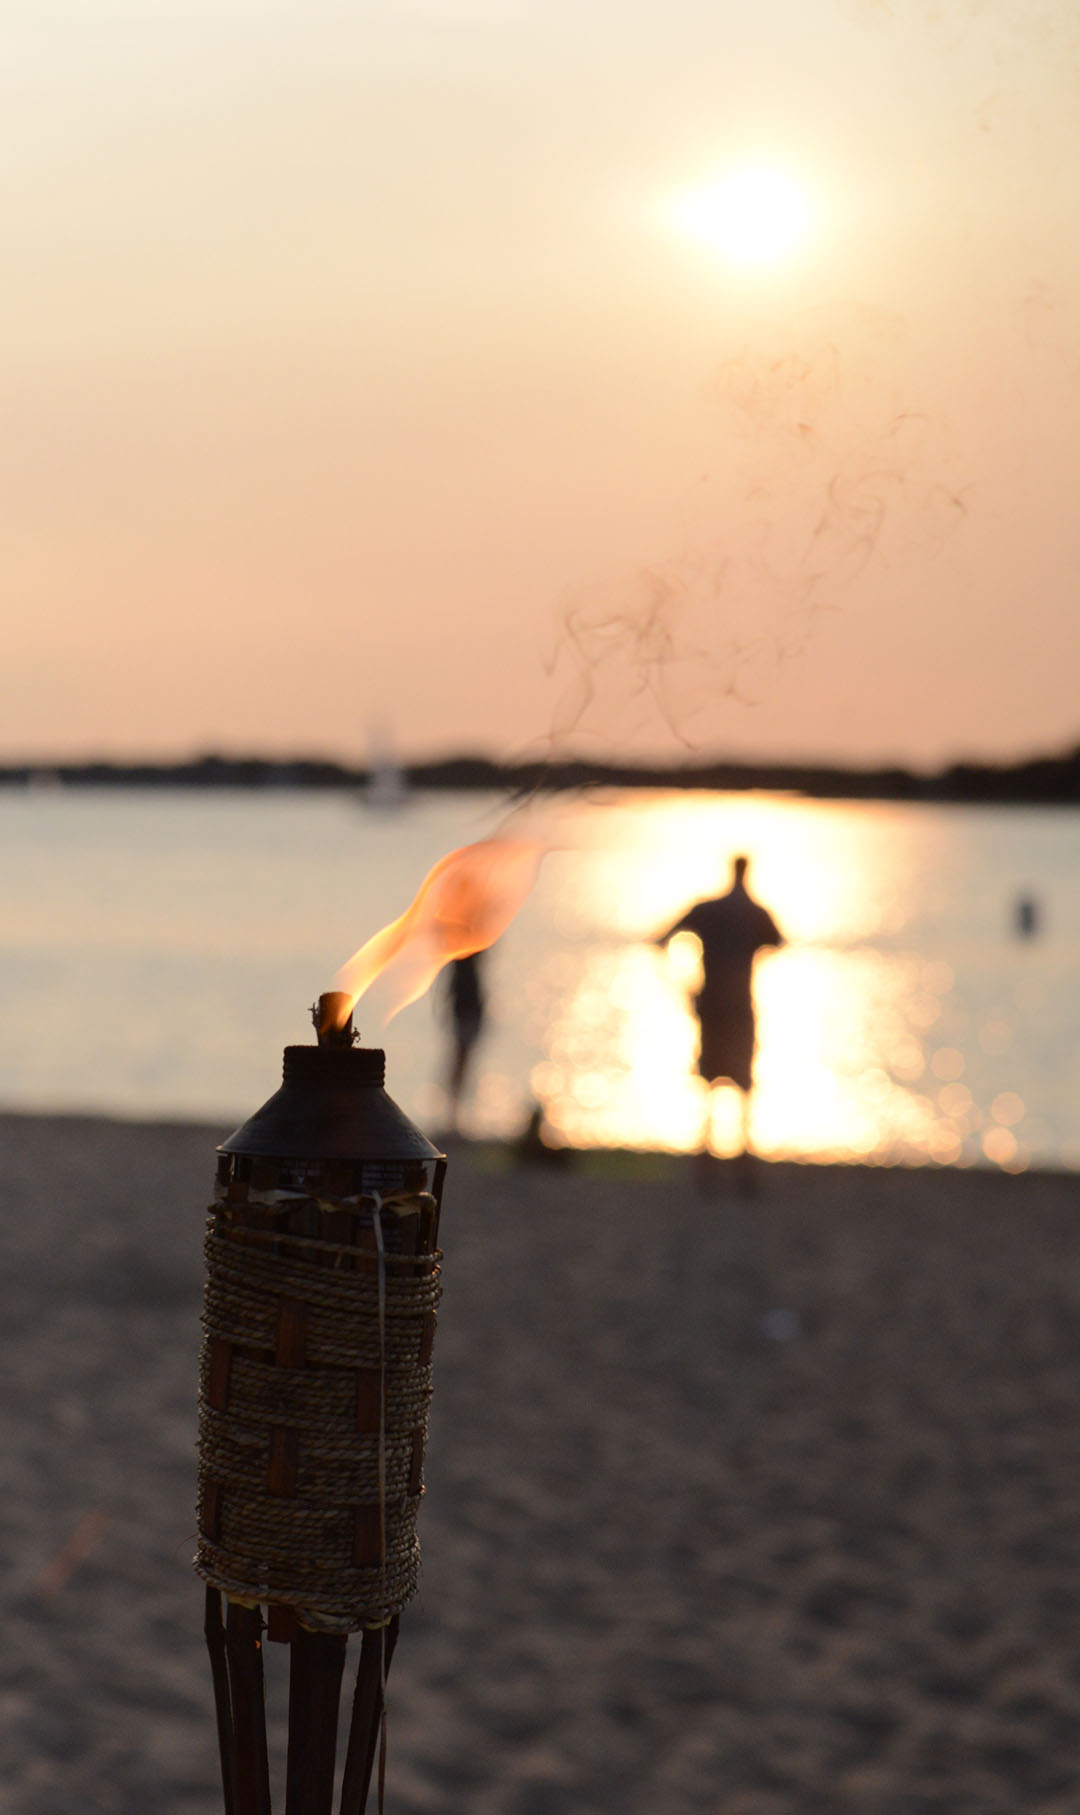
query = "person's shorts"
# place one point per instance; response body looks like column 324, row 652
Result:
column 727, row 1049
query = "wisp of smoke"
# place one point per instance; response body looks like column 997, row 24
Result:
column 822, row 473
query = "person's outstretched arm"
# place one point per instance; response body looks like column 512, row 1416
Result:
column 685, row 924
column 770, row 932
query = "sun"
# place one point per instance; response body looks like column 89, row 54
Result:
column 754, row 215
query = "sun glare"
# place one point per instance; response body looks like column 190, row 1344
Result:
column 752, row 216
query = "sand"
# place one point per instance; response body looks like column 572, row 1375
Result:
column 748, row 1506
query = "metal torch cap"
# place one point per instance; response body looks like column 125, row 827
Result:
column 331, row 1105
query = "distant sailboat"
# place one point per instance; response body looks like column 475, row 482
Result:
column 387, row 786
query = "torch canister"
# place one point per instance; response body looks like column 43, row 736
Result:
column 322, row 1286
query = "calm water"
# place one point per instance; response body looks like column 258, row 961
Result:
column 156, row 953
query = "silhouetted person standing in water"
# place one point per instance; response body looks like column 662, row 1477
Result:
column 732, row 929
column 465, row 1000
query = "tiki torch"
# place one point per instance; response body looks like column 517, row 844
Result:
column 322, row 1283
column 322, row 1286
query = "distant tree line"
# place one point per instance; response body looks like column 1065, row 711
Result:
column 1044, row 780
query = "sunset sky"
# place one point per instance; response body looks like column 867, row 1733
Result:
column 406, row 373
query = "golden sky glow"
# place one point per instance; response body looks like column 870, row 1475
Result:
column 351, row 372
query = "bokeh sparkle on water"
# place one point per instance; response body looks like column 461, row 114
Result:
column 157, row 952
column 894, row 1026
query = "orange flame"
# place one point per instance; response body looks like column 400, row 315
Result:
column 462, row 906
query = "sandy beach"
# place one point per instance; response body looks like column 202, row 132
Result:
column 749, row 1506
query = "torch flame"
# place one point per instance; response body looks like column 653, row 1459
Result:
column 462, row 906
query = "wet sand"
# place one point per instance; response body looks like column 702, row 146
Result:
column 749, row 1506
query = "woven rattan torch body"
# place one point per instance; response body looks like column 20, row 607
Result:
column 322, row 1282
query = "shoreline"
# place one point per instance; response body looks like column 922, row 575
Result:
column 500, row 1157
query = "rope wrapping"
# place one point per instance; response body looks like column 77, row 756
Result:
column 311, row 1445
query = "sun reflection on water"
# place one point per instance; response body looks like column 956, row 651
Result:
column 859, row 1050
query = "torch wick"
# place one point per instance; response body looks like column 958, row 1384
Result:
column 332, row 1016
